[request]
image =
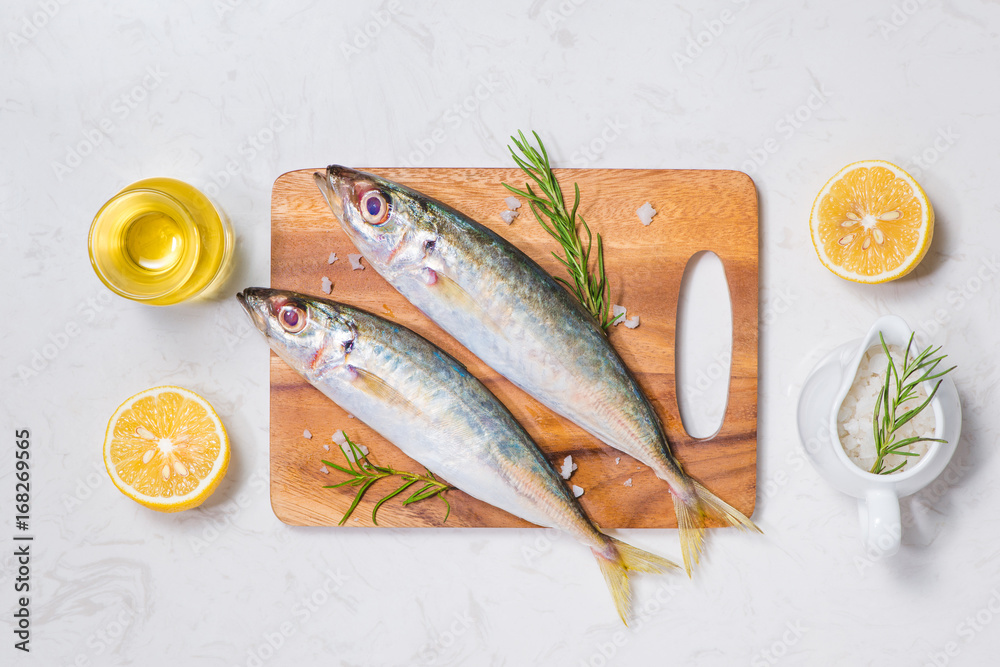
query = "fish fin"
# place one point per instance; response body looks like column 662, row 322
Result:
column 459, row 298
column 617, row 560
column 616, row 577
column 375, row 386
column 692, row 516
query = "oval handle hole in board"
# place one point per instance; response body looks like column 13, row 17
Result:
column 703, row 345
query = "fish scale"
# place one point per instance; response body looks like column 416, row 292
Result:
column 427, row 404
column 503, row 307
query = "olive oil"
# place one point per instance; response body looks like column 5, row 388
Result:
column 160, row 241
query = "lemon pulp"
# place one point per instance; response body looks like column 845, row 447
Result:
column 166, row 448
column 871, row 222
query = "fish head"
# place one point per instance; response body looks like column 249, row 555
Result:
column 313, row 336
column 388, row 222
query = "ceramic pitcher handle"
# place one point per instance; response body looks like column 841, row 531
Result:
column 880, row 526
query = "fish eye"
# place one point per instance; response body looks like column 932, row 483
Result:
column 292, row 318
column 374, row 207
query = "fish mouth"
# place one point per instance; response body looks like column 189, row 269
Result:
column 337, row 186
column 253, row 300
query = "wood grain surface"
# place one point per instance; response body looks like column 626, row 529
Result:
column 697, row 210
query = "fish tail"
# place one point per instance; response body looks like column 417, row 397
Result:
column 693, row 514
column 616, row 560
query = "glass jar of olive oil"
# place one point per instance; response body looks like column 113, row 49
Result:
column 160, row 241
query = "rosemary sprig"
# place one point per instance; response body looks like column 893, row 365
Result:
column 899, row 387
column 549, row 207
column 364, row 474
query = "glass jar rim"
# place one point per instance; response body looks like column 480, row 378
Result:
column 105, row 223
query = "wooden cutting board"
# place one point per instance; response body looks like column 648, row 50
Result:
column 697, row 210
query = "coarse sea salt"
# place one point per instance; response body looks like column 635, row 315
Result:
column 854, row 420
column 332, row 258
column 627, row 482
column 577, row 491
column 513, row 203
column 341, row 439
column 307, row 435
column 508, row 216
column 618, row 314
column 646, row 213
column 326, row 285
column 349, row 453
column 355, row 261
column 568, row 467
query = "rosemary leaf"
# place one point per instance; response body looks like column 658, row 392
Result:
column 357, row 499
column 364, row 473
column 590, row 287
column 403, row 487
column 898, row 388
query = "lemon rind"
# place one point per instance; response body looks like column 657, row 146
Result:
column 910, row 262
column 205, row 487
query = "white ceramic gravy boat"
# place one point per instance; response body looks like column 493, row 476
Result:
column 878, row 495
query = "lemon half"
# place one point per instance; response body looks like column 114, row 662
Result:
column 166, row 448
column 871, row 222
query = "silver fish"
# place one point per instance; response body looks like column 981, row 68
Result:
column 429, row 406
column 510, row 313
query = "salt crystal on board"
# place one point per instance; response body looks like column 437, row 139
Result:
column 349, row 453
column 646, row 213
column 568, row 467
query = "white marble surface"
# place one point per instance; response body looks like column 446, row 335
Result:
column 230, row 94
